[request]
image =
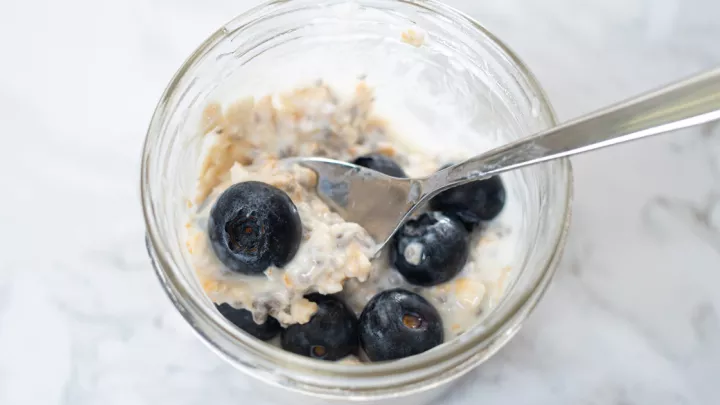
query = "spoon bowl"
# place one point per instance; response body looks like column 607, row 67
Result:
column 372, row 199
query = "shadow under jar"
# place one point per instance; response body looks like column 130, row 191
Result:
column 460, row 76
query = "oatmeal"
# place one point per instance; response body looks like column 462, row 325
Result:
column 247, row 140
column 413, row 36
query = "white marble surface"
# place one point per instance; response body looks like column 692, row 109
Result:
column 632, row 318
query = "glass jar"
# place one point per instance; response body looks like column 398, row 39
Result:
column 448, row 72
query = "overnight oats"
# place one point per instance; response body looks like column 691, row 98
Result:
column 281, row 265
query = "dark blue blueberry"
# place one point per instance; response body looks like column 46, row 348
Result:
column 398, row 323
column 430, row 249
column 254, row 225
column 242, row 318
column 380, row 163
column 473, row 202
column 331, row 333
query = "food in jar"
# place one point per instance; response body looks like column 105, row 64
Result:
column 261, row 241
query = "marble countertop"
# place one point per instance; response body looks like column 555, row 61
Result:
column 633, row 316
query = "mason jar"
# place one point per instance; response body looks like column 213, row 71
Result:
column 443, row 67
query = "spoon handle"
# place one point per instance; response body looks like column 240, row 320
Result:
column 693, row 101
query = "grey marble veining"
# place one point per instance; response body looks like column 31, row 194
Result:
column 632, row 317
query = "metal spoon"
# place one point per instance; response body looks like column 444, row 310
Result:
column 382, row 203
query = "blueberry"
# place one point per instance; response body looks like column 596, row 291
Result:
column 398, row 323
column 242, row 318
column 331, row 333
column 254, row 225
column 380, row 163
column 473, row 202
column 430, row 249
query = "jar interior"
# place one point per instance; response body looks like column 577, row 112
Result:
column 458, row 90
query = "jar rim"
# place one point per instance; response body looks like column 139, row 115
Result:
column 194, row 312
